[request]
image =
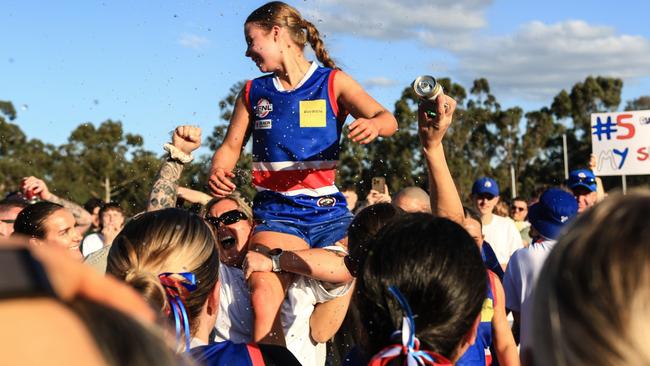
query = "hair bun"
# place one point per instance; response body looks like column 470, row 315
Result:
column 148, row 285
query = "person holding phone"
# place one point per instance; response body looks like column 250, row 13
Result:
column 378, row 192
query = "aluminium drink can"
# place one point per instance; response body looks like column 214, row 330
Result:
column 426, row 87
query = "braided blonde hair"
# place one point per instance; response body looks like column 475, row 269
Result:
column 277, row 13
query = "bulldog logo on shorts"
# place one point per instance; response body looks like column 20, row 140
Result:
column 326, row 201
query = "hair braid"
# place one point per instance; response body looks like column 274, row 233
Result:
column 313, row 37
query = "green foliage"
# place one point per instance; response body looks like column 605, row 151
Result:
column 638, row 104
column 19, row 156
column 484, row 139
column 108, row 164
column 8, row 110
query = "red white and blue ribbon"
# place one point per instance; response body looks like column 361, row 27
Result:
column 410, row 346
column 177, row 287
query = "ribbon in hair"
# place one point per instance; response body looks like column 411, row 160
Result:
column 177, row 287
column 410, row 346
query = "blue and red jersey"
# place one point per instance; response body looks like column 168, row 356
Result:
column 479, row 353
column 490, row 260
column 228, row 353
column 296, row 136
column 241, row 354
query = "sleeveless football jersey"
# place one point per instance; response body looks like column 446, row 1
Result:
column 296, row 136
column 479, row 354
column 229, row 353
column 242, row 354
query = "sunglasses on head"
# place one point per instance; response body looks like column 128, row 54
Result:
column 226, row 218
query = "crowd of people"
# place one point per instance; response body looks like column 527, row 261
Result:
column 308, row 274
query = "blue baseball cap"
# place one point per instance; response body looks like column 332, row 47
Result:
column 582, row 178
column 554, row 209
column 485, row 185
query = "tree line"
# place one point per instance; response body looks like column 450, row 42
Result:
column 107, row 162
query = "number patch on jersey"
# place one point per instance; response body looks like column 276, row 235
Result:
column 313, row 113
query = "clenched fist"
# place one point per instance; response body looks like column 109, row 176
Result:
column 187, row 138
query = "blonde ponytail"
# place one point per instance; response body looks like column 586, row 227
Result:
column 163, row 242
column 313, row 37
column 148, row 285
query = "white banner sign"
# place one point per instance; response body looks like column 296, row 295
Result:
column 621, row 142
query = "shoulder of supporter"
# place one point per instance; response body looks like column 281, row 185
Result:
column 514, row 236
column 92, row 237
column 98, row 259
column 510, row 223
column 92, row 243
column 231, row 276
column 518, row 256
column 512, row 280
column 326, row 291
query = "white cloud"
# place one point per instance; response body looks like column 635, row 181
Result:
column 535, row 62
column 435, row 23
column 193, row 41
column 379, row 82
column 540, row 59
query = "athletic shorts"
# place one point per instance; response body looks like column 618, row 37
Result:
column 317, row 235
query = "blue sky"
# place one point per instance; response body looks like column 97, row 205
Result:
column 156, row 64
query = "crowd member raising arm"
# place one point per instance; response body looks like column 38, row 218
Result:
column 83, row 219
column 185, row 140
column 445, row 201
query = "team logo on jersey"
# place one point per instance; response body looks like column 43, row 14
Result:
column 263, row 108
column 263, row 124
column 327, row 201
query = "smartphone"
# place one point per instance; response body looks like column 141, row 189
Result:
column 21, row 275
column 379, row 184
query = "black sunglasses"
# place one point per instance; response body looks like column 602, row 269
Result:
column 486, row 196
column 227, row 218
column 8, row 221
column 518, row 209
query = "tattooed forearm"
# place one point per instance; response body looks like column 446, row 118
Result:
column 81, row 216
column 164, row 191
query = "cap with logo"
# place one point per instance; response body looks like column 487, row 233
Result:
column 582, row 178
column 554, row 209
column 485, row 185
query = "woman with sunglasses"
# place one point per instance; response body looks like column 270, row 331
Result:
column 231, row 218
column 232, row 223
